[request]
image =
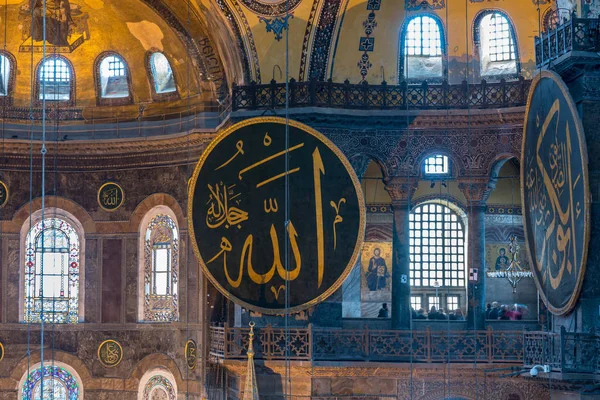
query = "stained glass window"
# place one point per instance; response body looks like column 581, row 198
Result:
column 162, row 74
column 54, row 80
column 52, row 273
column 58, row 384
column 113, row 77
column 161, row 269
column 437, row 246
column 159, row 388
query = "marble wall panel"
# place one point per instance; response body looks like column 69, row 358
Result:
column 111, row 280
column 131, row 280
column 92, row 281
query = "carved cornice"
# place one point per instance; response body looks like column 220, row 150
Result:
column 108, row 154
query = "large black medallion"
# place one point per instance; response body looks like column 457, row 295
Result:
column 554, row 180
column 3, row 194
column 276, row 225
column 110, row 196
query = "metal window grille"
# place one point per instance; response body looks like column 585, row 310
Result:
column 423, row 37
column 437, row 246
column 115, row 66
column 452, row 303
column 433, row 301
column 55, row 70
column 437, row 165
column 501, row 41
column 415, row 302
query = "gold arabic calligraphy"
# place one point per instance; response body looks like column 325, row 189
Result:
column 548, row 183
column 223, row 209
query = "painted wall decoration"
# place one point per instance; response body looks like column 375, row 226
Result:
column 366, row 43
column 238, row 222
column 413, row 5
column 555, row 192
column 497, row 256
column 191, row 354
column 66, row 26
column 376, row 275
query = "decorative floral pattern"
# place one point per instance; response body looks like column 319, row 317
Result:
column 58, row 380
column 413, row 5
column 367, row 43
column 159, row 388
column 276, row 25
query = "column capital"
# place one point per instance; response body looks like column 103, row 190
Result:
column 476, row 190
column 401, row 189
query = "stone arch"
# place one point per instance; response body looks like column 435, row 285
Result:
column 154, row 361
column 58, row 357
column 157, row 199
column 23, row 213
column 360, row 162
column 455, row 160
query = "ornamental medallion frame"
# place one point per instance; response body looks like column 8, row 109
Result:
column 102, row 206
column 4, row 188
column 360, row 211
column 191, row 363
column 529, row 232
column 100, row 357
column 1, row 351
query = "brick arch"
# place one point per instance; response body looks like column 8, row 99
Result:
column 455, row 160
column 156, row 199
column 498, row 161
column 153, row 361
column 72, row 361
column 23, row 213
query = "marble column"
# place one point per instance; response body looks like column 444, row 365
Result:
column 476, row 192
column 401, row 191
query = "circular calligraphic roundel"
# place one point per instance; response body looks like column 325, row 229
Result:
column 555, row 192
column 191, row 354
column 111, row 196
column 266, row 248
column 110, row 353
column 3, row 194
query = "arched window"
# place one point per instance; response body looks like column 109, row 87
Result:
column 159, row 387
column 421, row 48
column 112, row 77
column 161, row 74
column 60, row 382
column 437, row 246
column 436, row 165
column 5, row 66
column 161, row 270
column 52, row 267
column 55, row 77
column 494, row 36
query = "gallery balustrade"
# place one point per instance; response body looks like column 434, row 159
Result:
column 575, row 35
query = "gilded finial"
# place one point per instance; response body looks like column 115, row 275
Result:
column 251, row 386
column 251, row 339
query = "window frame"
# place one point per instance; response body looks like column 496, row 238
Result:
column 438, row 175
column 168, row 96
column 38, row 82
column 402, row 46
column 446, row 273
column 7, row 100
column 111, row 101
column 478, row 45
column 146, row 285
column 52, row 364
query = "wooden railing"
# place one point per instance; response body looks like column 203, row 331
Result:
column 319, row 344
column 387, row 97
column 576, row 34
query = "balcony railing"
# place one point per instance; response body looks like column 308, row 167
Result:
column 567, row 352
column 385, row 97
column 311, row 344
column 577, row 34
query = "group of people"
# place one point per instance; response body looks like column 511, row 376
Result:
column 504, row 312
column 435, row 313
